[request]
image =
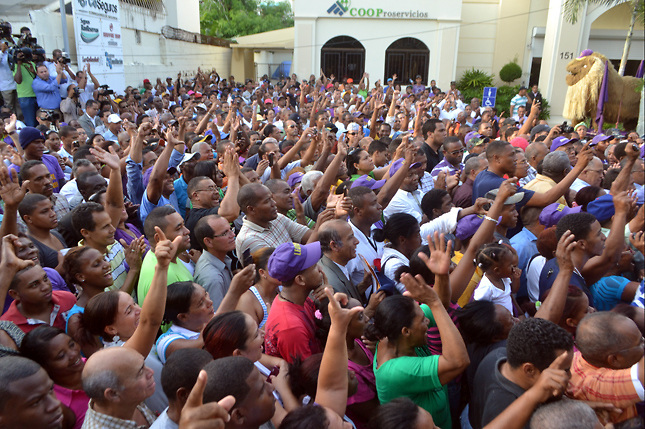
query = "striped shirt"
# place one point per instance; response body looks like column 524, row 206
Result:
column 116, row 257
column 280, row 230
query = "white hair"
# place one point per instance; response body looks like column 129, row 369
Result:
column 308, row 182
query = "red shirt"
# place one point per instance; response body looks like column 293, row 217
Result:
column 62, row 302
column 290, row 330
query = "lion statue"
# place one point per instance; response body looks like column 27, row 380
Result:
column 585, row 79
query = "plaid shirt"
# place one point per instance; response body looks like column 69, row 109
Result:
column 530, row 175
column 96, row 420
column 280, row 230
column 618, row 387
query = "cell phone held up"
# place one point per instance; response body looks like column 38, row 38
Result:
column 271, row 157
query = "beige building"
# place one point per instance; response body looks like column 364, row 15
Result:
column 440, row 40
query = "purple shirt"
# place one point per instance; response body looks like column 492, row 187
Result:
column 120, row 234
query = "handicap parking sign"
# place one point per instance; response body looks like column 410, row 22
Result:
column 490, row 93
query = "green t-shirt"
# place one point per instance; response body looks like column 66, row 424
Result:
column 24, row 89
column 417, row 378
column 356, row 176
column 177, row 272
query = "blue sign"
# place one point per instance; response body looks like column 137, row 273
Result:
column 490, row 93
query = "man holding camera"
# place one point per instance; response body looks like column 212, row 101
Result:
column 47, row 87
column 7, row 84
column 71, row 106
column 86, row 88
column 24, row 74
column 68, row 74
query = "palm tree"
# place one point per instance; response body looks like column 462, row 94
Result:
column 573, row 7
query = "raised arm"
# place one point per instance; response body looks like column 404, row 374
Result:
column 332, row 377
column 291, row 153
column 321, row 190
column 393, row 183
column 114, row 194
column 454, row 358
column 553, row 306
column 228, row 208
column 533, row 114
column 10, row 264
column 158, row 175
column 546, row 198
column 155, row 303
column 623, row 180
column 12, row 194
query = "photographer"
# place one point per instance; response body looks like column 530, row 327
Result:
column 24, row 74
column 68, row 74
column 47, row 87
column 71, row 106
column 7, row 84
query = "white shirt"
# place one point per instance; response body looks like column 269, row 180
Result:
column 392, row 260
column 533, row 272
column 86, row 94
column 487, row 291
column 578, row 184
column 164, row 422
column 444, row 224
column 367, row 247
column 405, row 202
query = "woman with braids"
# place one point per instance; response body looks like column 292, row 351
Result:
column 188, row 308
column 402, row 234
column 404, row 366
column 87, row 270
column 257, row 300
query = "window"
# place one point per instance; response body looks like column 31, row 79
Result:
column 407, row 58
column 344, row 57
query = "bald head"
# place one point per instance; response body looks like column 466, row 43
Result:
column 601, row 335
column 113, row 374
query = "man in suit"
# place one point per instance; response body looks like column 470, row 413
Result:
column 338, row 245
column 533, row 94
column 90, row 120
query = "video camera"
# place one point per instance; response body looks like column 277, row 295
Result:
column 24, row 50
column 64, row 59
column 50, row 115
column 565, row 128
column 105, row 90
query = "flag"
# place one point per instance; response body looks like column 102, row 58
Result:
column 602, row 98
column 639, row 72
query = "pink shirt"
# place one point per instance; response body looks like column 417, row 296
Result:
column 75, row 400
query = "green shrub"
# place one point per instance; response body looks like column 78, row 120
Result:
column 510, row 72
column 474, row 79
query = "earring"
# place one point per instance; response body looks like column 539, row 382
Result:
column 116, row 339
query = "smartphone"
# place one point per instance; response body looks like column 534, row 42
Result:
column 271, row 156
column 247, row 259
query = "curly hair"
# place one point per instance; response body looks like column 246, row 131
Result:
column 536, row 341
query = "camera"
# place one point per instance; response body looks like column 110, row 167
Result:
column 64, row 59
column 50, row 115
column 271, row 156
column 77, row 92
column 105, row 90
column 566, row 129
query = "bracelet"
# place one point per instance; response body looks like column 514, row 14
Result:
column 490, row 219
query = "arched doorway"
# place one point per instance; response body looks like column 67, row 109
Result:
column 407, row 57
column 344, row 57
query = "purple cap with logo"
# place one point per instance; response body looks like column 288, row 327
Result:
column 368, row 182
column 561, row 141
column 552, row 213
column 290, row 259
column 602, row 207
column 294, row 179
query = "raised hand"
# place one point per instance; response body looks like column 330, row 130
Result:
column 340, row 316
column 638, row 241
column 417, row 288
column 439, row 260
column 134, row 252
column 111, row 159
column 197, row 415
column 479, row 205
column 243, row 280
column 10, row 191
column 165, row 250
column 506, row 189
column 553, row 381
column 566, row 245
column 9, row 259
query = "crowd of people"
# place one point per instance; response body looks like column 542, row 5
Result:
column 312, row 253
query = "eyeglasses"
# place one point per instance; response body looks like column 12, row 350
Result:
column 351, row 134
column 291, row 126
column 231, row 230
column 457, row 152
column 209, row 189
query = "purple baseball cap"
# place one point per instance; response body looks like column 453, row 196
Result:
column 290, row 259
column 600, row 138
column 552, row 213
column 602, row 207
column 561, row 141
column 398, row 163
column 368, row 182
column 467, row 226
column 294, row 179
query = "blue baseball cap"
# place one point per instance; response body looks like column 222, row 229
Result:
column 602, row 207
column 467, row 226
column 398, row 163
column 290, row 259
column 600, row 138
column 368, row 182
column 561, row 141
column 552, row 213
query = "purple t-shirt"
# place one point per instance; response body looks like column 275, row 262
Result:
column 120, row 234
column 57, row 175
